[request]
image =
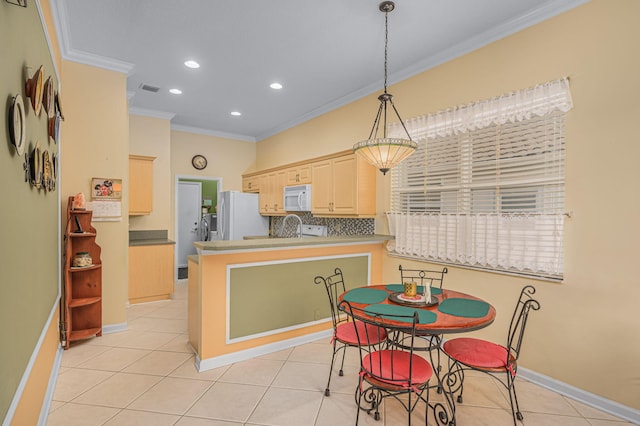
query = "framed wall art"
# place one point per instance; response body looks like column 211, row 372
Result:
column 106, row 189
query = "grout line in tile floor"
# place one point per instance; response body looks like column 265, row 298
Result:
column 146, row 376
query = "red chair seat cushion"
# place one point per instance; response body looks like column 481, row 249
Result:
column 392, row 367
column 346, row 333
column 476, row 353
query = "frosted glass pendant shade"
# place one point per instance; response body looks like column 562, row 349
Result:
column 385, row 153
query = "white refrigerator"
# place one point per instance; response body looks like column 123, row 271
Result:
column 239, row 216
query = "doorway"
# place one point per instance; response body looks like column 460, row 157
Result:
column 189, row 203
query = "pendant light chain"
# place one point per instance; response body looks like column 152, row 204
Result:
column 386, row 48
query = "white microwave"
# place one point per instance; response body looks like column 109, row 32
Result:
column 297, row 198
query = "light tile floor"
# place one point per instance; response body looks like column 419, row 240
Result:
column 146, row 376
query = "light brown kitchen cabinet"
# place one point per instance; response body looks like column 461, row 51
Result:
column 299, row 175
column 82, row 297
column 251, row 183
column 343, row 186
column 150, row 272
column 140, row 184
column 271, row 196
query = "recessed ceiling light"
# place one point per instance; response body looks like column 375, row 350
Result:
column 191, row 64
column 236, row 113
column 276, row 86
column 175, row 91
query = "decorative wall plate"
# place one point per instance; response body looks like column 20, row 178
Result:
column 53, row 127
column 36, row 166
column 58, row 106
column 54, row 171
column 17, row 124
column 34, row 90
column 47, row 96
column 47, row 172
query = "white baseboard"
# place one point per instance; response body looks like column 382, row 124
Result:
column 616, row 409
column 114, row 328
column 51, row 387
column 219, row 361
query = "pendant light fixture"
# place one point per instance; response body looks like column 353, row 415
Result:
column 383, row 152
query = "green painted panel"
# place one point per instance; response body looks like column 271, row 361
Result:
column 269, row 297
column 29, row 222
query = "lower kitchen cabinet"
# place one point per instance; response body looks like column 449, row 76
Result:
column 150, row 272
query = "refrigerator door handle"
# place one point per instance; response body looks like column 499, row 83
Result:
column 221, row 219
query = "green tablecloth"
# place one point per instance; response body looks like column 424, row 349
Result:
column 366, row 295
column 467, row 308
column 424, row 316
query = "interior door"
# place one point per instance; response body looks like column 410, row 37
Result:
column 189, row 210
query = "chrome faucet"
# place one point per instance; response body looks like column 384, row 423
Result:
column 284, row 222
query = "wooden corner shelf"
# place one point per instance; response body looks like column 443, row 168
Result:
column 82, row 297
column 75, row 303
column 84, row 334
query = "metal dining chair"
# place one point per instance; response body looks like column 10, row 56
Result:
column 346, row 332
column 433, row 278
column 498, row 361
column 388, row 370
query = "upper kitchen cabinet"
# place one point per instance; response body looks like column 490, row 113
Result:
column 140, row 184
column 251, row 183
column 343, row 186
column 272, row 192
column 299, row 174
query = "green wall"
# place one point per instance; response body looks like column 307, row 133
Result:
column 268, row 297
column 209, row 189
column 29, row 216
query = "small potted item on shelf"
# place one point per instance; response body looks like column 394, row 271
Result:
column 82, row 259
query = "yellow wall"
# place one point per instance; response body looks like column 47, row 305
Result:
column 227, row 158
column 27, row 412
column 585, row 334
column 152, row 137
column 96, row 144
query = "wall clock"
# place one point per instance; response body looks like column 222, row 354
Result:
column 199, row 161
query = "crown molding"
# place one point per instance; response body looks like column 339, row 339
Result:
column 68, row 53
column 151, row 113
column 208, row 132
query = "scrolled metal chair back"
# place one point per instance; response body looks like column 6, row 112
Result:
column 423, row 276
column 518, row 324
column 334, row 285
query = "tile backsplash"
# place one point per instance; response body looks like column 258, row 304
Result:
column 335, row 226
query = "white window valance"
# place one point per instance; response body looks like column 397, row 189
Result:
column 515, row 106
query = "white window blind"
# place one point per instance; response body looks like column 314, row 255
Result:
column 485, row 188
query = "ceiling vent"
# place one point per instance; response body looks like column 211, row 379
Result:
column 149, row 88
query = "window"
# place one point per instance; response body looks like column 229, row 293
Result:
column 485, row 188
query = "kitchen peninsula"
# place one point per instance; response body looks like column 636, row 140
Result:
column 252, row 297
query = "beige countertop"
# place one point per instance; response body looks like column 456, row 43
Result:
column 149, row 238
column 275, row 243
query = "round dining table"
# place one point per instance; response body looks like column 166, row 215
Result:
column 449, row 312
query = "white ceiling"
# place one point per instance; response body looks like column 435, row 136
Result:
column 326, row 53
